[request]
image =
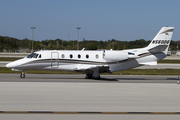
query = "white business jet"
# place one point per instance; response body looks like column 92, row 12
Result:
column 92, row 63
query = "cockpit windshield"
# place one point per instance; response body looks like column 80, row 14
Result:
column 33, row 55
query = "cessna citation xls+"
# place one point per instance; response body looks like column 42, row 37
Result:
column 92, row 63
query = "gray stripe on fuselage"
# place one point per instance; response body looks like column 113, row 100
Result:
column 72, row 61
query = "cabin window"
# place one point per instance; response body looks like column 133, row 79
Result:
column 87, row 56
column 63, row 56
column 71, row 56
column 79, row 56
column 40, row 56
column 97, row 56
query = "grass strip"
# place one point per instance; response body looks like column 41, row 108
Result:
column 169, row 61
column 149, row 72
column 4, row 70
column 8, row 58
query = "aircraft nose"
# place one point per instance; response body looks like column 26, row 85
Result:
column 12, row 65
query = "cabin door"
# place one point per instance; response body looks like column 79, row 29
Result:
column 54, row 59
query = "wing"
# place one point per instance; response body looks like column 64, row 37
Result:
column 91, row 68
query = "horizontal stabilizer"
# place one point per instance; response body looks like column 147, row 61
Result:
column 158, row 49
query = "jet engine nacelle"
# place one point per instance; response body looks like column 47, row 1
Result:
column 115, row 56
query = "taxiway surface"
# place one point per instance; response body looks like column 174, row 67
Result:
column 113, row 93
column 69, row 78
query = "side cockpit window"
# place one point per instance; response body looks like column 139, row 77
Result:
column 31, row 55
column 34, row 55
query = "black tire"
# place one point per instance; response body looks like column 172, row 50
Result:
column 22, row 76
column 96, row 78
column 88, row 76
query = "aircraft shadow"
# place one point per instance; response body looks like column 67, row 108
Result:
column 106, row 79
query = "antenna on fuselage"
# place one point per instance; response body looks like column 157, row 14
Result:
column 83, row 49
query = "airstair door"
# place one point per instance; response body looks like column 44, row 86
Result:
column 54, row 59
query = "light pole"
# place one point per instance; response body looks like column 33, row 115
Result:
column 177, row 46
column 33, row 38
column 78, row 38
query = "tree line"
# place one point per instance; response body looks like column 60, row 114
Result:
column 13, row 44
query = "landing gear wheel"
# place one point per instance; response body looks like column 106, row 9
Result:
column 88, row 76
column 96, row 78
column 22, row 75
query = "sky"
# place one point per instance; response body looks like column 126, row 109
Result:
column 124, row 20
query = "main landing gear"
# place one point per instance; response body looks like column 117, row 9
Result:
column 92, row 76
column 22, row 75
column 95, row 75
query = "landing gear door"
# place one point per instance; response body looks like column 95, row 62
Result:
column 54, row 59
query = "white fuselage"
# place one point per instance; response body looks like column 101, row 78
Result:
column 81, row 60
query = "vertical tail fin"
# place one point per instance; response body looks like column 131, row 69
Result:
column 161, row 41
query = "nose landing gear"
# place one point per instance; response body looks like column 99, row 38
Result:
column 22, row 75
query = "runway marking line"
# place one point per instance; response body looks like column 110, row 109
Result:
column 70, row 112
